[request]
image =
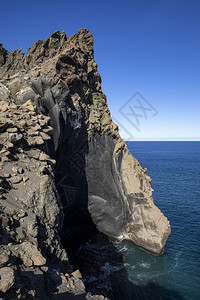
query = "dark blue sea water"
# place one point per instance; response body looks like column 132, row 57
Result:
column 175, row 171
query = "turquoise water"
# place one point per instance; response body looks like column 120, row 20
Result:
column 124, row 271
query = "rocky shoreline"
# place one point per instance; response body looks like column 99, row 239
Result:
column 65, row 172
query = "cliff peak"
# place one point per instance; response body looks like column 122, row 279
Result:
column 14, row 61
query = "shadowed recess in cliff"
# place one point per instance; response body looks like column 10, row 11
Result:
column 71, row 183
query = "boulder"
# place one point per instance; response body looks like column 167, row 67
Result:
column 29, row 254
column 7, row 279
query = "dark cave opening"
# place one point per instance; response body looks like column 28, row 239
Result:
column 71, row 183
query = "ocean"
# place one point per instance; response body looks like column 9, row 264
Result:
column 127, row 272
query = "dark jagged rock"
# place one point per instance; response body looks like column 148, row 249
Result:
column 77, row 171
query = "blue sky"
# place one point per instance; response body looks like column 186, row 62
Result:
column 146, row 46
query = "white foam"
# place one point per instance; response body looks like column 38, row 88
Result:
column 145, row 265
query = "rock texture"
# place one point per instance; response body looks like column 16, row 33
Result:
column 65, row 171
column 7, row 279
column 33, row 263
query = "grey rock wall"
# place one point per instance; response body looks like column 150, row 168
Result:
column 56, row 126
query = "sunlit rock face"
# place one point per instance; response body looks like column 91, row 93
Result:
column 100, row 184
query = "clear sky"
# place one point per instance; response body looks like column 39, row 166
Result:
column 148, row 55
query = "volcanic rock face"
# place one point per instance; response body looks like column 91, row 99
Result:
column 94, row 169
column 55, row 116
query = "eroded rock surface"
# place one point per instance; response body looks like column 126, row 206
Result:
column 65, row 170
column 7, row 279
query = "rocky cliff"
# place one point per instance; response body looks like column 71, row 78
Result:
column 65, row 171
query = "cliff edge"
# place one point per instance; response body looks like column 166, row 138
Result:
column 63, row 161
